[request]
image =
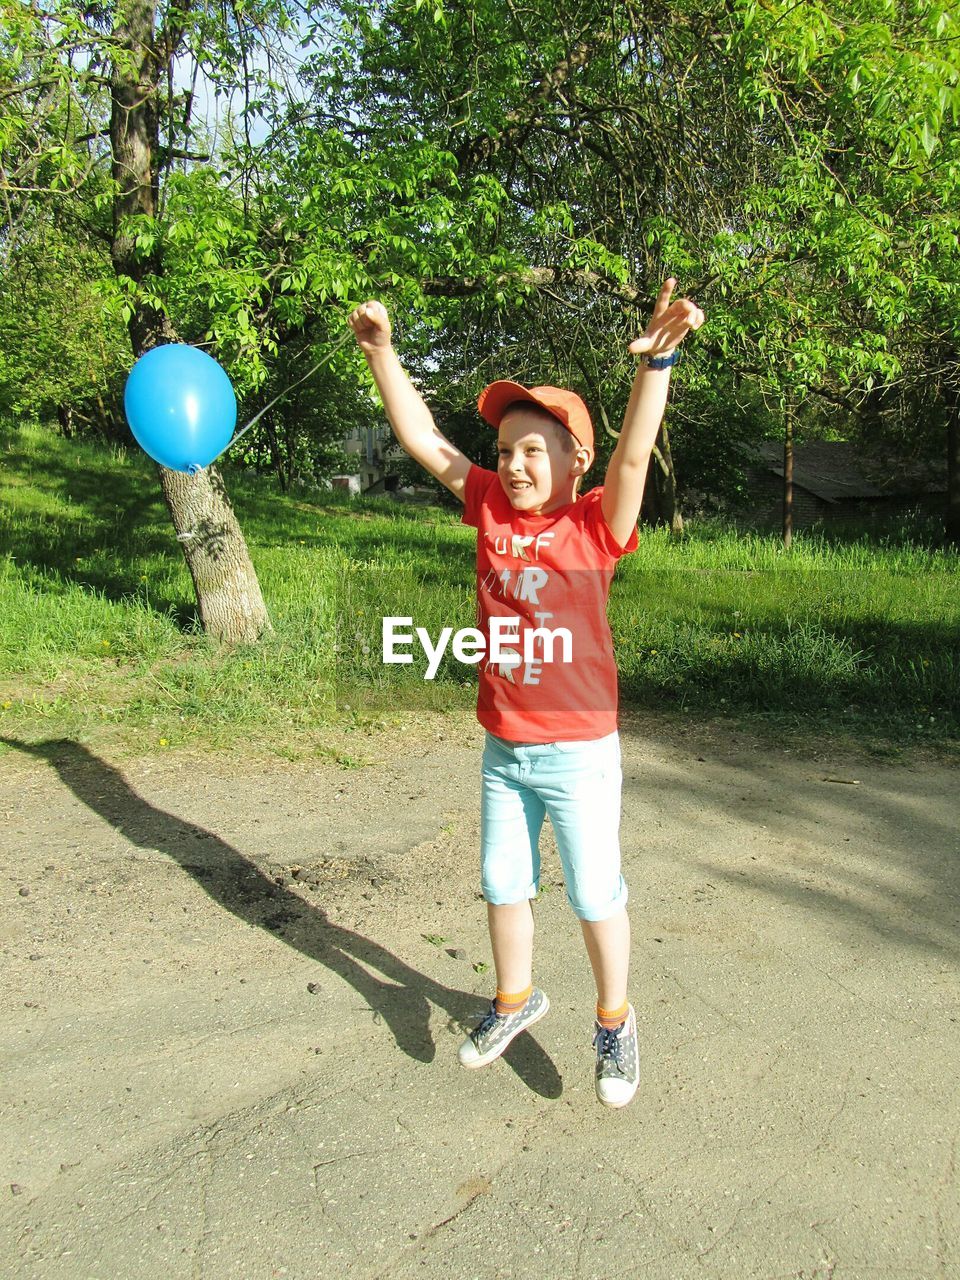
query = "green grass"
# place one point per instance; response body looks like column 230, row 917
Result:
column 828, row 633
column 99, row 631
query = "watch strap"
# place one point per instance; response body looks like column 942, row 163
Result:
column 663, row 362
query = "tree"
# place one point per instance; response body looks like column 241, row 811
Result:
column 516, row 184
column 80, row 75
column 59, row 352
column 783, row 160
column 867, row 96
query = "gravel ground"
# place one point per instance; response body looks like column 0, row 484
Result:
column 234, row 987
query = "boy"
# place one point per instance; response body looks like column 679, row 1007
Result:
column 545, row 558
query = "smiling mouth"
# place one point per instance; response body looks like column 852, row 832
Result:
column 520, row 484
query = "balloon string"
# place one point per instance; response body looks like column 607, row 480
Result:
column 194, row 468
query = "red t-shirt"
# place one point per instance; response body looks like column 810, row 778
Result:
column 546, row 571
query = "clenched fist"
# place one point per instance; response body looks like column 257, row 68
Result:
column 371, row 326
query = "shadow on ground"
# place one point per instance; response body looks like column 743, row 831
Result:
column 402, row 996
column 879, row 864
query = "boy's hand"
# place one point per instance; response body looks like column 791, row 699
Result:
column 371, row 326
column 669, row 324
column 629, row 463
column 410, row 418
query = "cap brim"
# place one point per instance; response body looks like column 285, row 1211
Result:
column 495, row 399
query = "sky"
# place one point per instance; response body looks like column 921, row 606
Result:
column 213, row 110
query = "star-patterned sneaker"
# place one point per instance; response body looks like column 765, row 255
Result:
column 495, row 1030
column 618, row 1061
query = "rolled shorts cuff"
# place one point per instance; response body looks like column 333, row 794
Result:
column 594, row 914
column 496, row 898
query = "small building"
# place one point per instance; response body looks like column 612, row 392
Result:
column 372, row 446
column 833, row 481
column 379, row 466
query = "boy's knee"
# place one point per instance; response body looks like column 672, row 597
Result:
column 591, row 908
column 505, row 895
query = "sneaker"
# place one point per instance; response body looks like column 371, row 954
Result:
column 618, row 1061
column 495, row 1030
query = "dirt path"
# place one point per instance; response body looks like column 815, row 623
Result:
column 213, row 1068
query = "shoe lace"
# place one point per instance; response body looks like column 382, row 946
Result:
column 489, row 1020
column 608, row 1046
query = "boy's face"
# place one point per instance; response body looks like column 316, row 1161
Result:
column 539, row 462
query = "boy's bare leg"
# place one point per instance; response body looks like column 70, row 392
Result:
column 608, row 946
column 511, row 937
column 517, row 1005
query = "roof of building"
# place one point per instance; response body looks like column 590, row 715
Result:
column 836, row 470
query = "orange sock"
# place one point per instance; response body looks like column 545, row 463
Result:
column 507, row 1003
column 610, row 1019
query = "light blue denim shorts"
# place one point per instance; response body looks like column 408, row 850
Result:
column 576, row 784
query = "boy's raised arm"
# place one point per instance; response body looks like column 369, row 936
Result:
column 411, row 420
column 627, row 470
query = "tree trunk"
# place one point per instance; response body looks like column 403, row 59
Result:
column 65, row 419
column 665, row 483
column 952, row 515
column 228, row 594
column 275, row 454
column 134, row 124
column 788, row 477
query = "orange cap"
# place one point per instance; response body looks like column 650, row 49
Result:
column 565, row 406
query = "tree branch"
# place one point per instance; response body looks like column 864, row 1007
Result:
column 475, row 151
column 538, row 277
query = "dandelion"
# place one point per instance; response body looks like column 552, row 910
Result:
column 105, row 643
column 164, row 742
column 7, row 706
column 737, row 635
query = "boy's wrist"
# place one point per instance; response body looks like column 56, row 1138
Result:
column 377, row 354
column 666, row 360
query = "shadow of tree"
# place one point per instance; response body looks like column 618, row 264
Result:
column 883, row 865
column 111, row 524
column 402, row 995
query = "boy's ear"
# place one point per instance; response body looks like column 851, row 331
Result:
column 583, row 460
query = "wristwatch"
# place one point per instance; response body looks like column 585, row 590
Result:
column 663, row 362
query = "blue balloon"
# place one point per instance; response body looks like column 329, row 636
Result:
column 180, row 406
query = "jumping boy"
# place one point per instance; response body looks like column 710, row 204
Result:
column 545, row 558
